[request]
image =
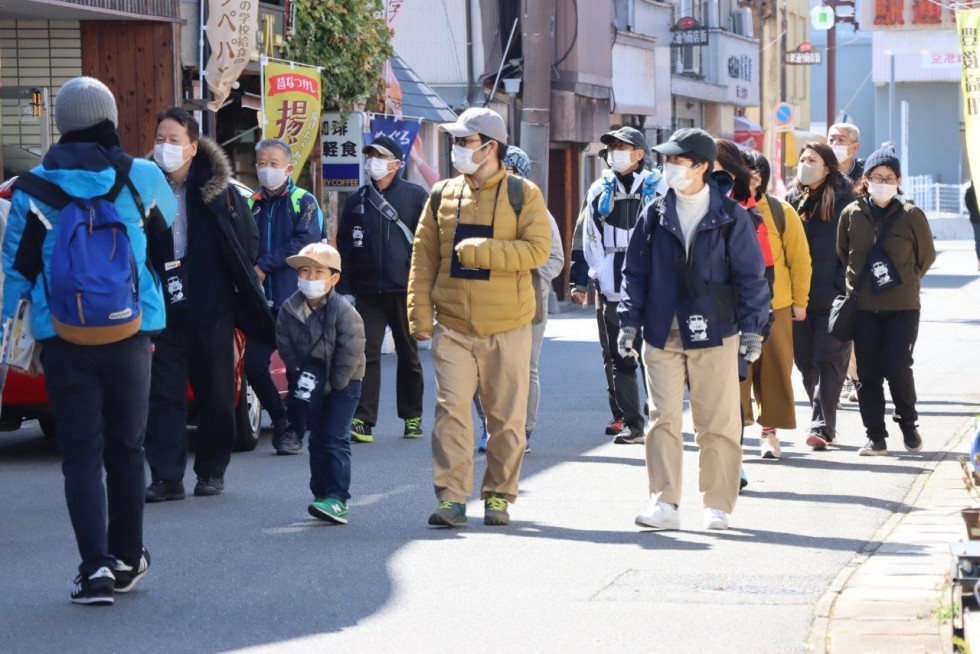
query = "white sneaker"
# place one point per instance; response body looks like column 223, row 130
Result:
column 715, row 519
column 659, row 515
column 769, row 444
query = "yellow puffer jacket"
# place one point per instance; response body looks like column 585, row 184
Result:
column 791, row 257
column 519, row 244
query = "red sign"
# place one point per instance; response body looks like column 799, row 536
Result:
column 294, row 83
column 806, row 46
column 686, row 23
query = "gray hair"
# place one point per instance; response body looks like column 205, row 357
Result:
column 274, row 143
column 851, row 130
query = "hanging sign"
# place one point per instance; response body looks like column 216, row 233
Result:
column 687, row 33
column 403, row 131
column 804, row 55
column 291, row 107
column 231, row 29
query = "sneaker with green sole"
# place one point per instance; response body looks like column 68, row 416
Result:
column 413, row 428
column 495, row 511
column 449, row 514
column 329, row 509
column 360, row 431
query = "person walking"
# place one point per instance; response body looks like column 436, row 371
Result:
column 321, row 339
column 614, row 202
column 375, row 240
column 970, row 199
column 770, row 376
column 97, row 377
column 471, row 266
column 819, row 194
column 694, row 283
column 287, row 218
column 845, row 140
column 214, row 287
column 888, row 248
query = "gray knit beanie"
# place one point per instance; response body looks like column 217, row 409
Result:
column 83, row 102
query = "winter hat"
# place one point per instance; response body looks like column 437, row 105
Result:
column 883, row 156
column 518, row 159
column 83, row 102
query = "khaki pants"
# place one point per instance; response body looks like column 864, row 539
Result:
column 713, row 377
column 769, row 377
column 500, row 365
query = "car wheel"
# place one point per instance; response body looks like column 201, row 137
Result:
column 248, row 419
column 48, row 426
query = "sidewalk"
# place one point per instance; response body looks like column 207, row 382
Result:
column 893, row 595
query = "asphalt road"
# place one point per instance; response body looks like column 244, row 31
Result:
column 249, row 570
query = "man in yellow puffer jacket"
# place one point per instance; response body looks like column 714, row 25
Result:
column 471, row 270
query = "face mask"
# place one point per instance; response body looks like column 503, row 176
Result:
column 463, row 159
column 676, row 175
column 272, row 178
column 313, row 288
column 809, row 174
column 168, row 156
column 882, row 193
column 621, row 160
column 377, row 168
column 841, row 152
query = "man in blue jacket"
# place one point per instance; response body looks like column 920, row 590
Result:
column 288, row 218
column 694, row 283
column 99, row 393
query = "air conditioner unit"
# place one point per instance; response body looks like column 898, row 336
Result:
column 742, row 21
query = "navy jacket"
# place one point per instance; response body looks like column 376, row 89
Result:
column 720, row 256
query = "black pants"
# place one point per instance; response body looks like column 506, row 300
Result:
column 624, row 370
column 258, row 359
column 883, row 344
column 822, row 360
column 380, row 310
column 607, row 360
column 206, row 357
column 99, row 395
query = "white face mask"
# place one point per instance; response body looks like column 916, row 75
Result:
column 809, row 174
column 377, row 168
column 463, row 159
column 169, row 156
column 313, row 288
column 272, row 178
column 882, row 193
column 621, row 160
column 842, row 152
column 676, row 176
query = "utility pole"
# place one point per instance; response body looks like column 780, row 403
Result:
column 832, row 54
column 538, row 32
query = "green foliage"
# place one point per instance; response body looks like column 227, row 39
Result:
column 350, row 40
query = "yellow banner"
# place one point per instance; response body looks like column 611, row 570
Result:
column 968, row 30
column 291, row 108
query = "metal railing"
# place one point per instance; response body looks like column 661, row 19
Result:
column 936, row 200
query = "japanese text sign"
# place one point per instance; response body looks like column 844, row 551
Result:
column 291, row 107
column 402, row 131
column 968, row 30
column 343, row 161
column 231, row 29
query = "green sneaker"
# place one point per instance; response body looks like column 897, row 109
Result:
column 495, row 511
column 360, row 431
column 413, row 428
column 330, row 510
column 449, row 514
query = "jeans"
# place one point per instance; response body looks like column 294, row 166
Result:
column 330, row 443
column 99, row 395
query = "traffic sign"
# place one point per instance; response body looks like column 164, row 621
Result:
column 823, row 17
column 783, row 117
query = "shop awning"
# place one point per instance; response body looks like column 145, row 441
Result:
column 418, row 98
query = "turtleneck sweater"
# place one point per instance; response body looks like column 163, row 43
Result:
column 690, row 210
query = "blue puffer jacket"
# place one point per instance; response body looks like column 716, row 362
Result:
column 287, row 221
column 83, row 170
column 720, row 256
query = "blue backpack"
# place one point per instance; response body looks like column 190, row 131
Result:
column 93, row 289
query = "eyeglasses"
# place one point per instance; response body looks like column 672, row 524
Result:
column 878, row 179
column 463, row 141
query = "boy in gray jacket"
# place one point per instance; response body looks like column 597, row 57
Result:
column 320, row 338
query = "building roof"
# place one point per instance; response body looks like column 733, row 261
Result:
column 418, row 98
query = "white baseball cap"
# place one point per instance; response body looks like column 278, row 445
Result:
column 478, row 120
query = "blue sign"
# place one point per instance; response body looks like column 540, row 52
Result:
column 402, row 131
column 784, row 113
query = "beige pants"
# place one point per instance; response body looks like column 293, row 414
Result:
column 770, row 377
column 500, row 365
column 713, row 377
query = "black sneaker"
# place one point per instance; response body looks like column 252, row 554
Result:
column 279, row 430
column 874, row 448
column 127, row 576
column 413, row 428
column 290, row 444
column 165, row 490
column 95, row 589
column 630, row 436
column 209, row 486
column 913, row 441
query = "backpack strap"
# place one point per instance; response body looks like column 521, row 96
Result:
column 435, row 198
column 515, row 194
column 778, row 215
column 42, row 190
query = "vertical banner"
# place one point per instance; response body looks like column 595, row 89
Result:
column 343, row 162
column 291, row 107
column 401, row 131
column 231, row 29
column 967, row 26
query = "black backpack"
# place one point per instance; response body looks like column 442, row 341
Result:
column 515, row 194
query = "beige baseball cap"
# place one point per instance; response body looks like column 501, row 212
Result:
column 316, row 254
column 478, row 120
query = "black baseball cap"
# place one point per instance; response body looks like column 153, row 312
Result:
column 386, row 146
column 690, row 140
column 627, row 135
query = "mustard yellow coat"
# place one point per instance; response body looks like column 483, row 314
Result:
column 791, row 257
column 476, row 307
